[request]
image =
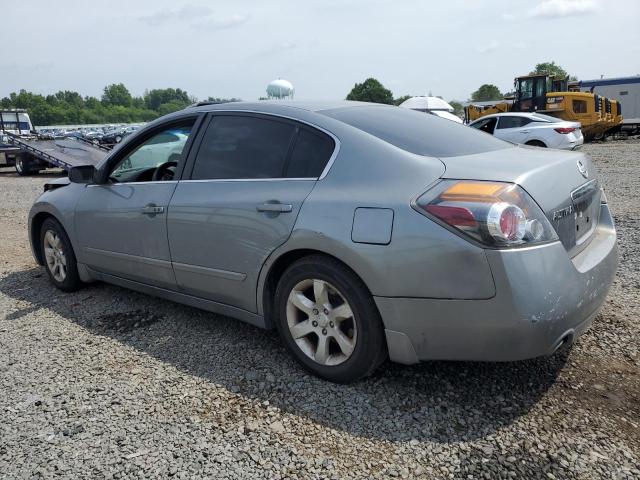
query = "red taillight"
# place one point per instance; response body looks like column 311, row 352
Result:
column 565, row 130
column 495, row 214
column 454, row 216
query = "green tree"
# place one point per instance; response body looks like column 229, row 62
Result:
column 399, row 100
column 116, row 105
column 116, row 94
column 553, row 69
column 371, row 90
column 486, row 92
column 158, row 96
column 170, row 107
column 228, row 100
column 458, row 109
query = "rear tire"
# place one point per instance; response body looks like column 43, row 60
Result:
column 59, row 258
column 25, row 166
column 337, row 328
column 536, row 143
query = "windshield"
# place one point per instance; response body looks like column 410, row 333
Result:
column 416, row 132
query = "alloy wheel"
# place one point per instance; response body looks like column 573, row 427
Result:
column 54, row 256
column 321, row 322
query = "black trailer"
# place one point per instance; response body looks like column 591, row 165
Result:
column 32, row 155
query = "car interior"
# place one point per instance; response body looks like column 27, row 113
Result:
column 155, row 159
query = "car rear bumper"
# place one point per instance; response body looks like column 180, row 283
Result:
column 543, row 299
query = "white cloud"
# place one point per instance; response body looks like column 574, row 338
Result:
column 489, row 47
column 214, row 23
column 507, row 17
column 562, row 8
column 185, row 13
column 196, row 15
column 520, row 45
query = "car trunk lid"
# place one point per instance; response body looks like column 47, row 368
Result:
column 563, row 183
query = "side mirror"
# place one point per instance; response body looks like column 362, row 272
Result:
column 82, row 174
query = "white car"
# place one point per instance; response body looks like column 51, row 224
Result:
column 534, row 129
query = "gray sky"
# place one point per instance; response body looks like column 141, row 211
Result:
column 235, row 48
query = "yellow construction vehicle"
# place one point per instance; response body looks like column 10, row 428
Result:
column 546, row 94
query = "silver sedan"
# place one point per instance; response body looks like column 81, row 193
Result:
column 359, row 231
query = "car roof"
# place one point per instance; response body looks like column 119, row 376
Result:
column 277, row 105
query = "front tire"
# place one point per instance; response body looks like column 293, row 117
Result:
column 59, row 258
column 328, row 320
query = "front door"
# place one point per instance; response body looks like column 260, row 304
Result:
column 121, row 223
column 249, row 179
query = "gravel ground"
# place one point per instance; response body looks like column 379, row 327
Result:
column 107, row 383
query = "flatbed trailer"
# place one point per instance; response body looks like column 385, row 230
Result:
column 66, row 153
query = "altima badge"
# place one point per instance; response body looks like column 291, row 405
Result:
column 582, row 169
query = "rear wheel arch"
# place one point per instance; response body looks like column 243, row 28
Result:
column 536, row 143
column 279, row 266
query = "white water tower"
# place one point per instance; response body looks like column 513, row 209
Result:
column 280, row 89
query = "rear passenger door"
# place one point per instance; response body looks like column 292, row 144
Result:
column 510, row 128
column 247, row 183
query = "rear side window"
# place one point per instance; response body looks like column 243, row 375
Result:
column 243, row 147
column 417, row 132
column 512, row 122
column 310, row 155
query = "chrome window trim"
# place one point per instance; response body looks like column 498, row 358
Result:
column 278, row 179
column 130, row 183
column 327, row 167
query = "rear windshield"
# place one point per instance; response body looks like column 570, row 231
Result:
column 417, row 132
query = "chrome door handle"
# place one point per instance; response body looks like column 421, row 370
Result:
column 275, row 207
column 152, row 209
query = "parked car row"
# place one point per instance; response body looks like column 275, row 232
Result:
column 108, row 135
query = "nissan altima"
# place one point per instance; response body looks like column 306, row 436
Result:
column 359, row 231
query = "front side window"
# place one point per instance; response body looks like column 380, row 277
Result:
column 13, row 125
column 526, row 88
column 479, row 124
column 163, row 149
column 243, row 147
column 487, row 125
